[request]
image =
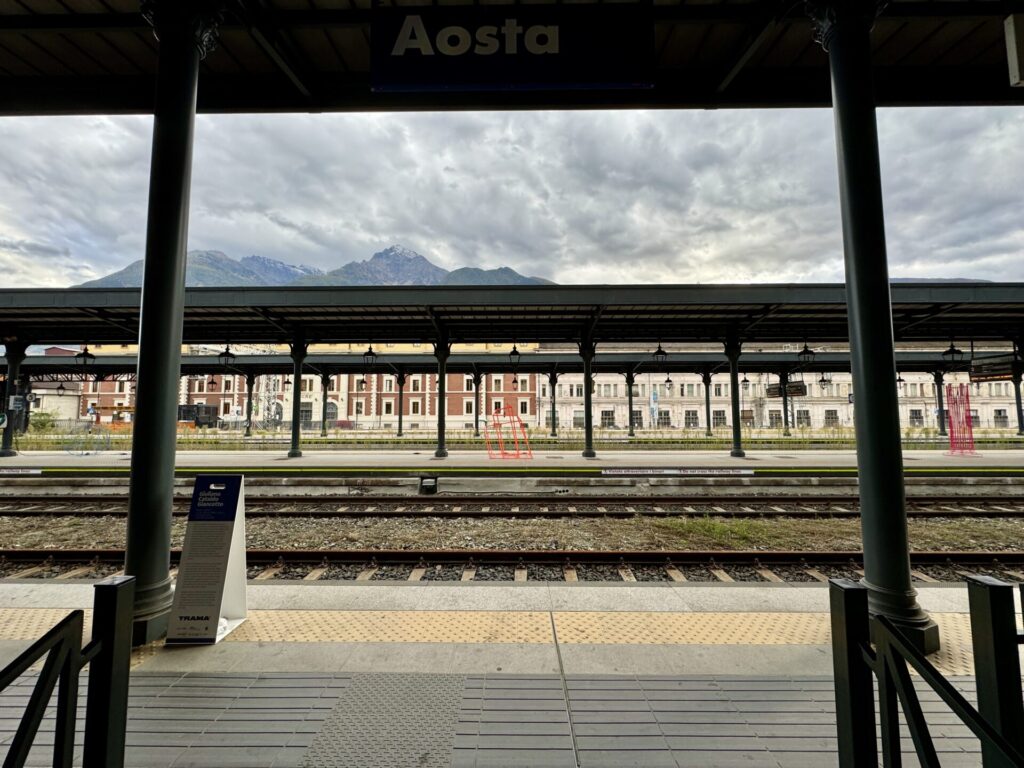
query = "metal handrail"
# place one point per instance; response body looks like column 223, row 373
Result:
column 999, row 720
column 108, row 655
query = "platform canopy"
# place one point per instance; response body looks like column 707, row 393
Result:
column 922, row 312
column 100, row 56
column 67, row 368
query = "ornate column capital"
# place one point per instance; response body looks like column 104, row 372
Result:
column 827, row 14
column 200, row 17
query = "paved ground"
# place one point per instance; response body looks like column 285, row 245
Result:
column 495, row 675
column 411, row 460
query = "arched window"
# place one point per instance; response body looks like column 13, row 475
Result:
column 332, row 411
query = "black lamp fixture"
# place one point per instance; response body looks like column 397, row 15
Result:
column 660, row 355
column 805, row 355
column 85, row 358
column 514, row 357
column 953, row 354
column 211, row 383
column 369, row 357
column 900, row 381
column 226, row 357
column 61, row 390
column 361, row 384
column 746, row 383
column 287, row 382
column 668, row 382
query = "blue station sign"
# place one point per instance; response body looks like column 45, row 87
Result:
column 511, row 47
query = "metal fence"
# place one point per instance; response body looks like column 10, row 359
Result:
column 108, row 655
column 864, row 650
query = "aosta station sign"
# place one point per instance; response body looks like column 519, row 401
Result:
column 505, row 47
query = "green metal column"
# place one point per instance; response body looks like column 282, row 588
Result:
column 732, row 351
column 552, row 382
column 15, row 355
column 477, row 378
column 939, row 403
column 784, row 385
column 325, row 383
column 400, row 378
column 1016, row 397
column 442, row 350
column 706, row 380
column 298, row 349
column 587, row 350
column 843, row 27
column 630, row 381
column 250, row 384
column 187, row 32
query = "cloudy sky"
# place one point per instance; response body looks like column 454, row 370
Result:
column 575, row 197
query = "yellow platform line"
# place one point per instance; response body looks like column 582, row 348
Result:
column 528, row 627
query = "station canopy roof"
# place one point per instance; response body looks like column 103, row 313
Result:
column 66, row 368
column 812, row 313
column 100, row 56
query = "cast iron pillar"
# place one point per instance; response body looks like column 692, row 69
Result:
column 552, row 382
column 587, row 350
column 298, row 349
column 630, row 381
column 940, row 405
column 477, row 378
column 15, row 354
column 325, row 383
column 1016, row 397
column 250, row 384
column 400, row 378
column 732, row 351
column 442, row 350
column 784, row 385
column 843, row 27
column 706, row 380
column 187, row 32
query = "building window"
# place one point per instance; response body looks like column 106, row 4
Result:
column 803, row 418
column 718, row 418
column 607, row 418
column 638, row 419
column 577, row 390
column 467, row 385
column 718, row 390
column 467, row 407
column 1001, row 419
column 547, row 420
column 524, row 407
column 120, row 387
column 524, row 385
column 690, row 419
column 225, row 409
column 414, row 407
column 389, row 384
column 359, row 407
column 916, row 417
column 496, row 383
column 305, row 412
column 664, row 419
column 543, row 390
column 747, row 418
column 832, row 417
column 689, row 390
column 228, row 381
column 416, row 384
column 577, row 419
column 774, row 419
column 498, row 407
column 201, row 386
column 389, row 407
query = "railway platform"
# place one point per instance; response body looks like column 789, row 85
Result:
column 486, row 674
column 607, row 465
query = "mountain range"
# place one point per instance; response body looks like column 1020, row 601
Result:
column 392, row 266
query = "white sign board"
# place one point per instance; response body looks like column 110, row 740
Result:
column 209, row 598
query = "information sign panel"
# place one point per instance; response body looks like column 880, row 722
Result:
column 793, row 389
column 209, row 598
column 511, row 47
column 993, row 368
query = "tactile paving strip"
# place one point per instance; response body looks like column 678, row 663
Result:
column 655, row 628
column 395, row 627
column 390, row 721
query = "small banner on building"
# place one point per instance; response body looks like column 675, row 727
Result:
column 209, row 597
column 511, row 47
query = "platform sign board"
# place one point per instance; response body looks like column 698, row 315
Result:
column 209, row 598
column 998, row 368
column 793, row 389
column 511, row 47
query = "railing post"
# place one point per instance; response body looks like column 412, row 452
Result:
column 106, row 713
column 855, row 702
column 996, row 663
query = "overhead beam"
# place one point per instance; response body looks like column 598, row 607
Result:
column 766, row 30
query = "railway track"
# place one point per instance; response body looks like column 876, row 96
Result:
column 476, row 505
column 536, row 565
